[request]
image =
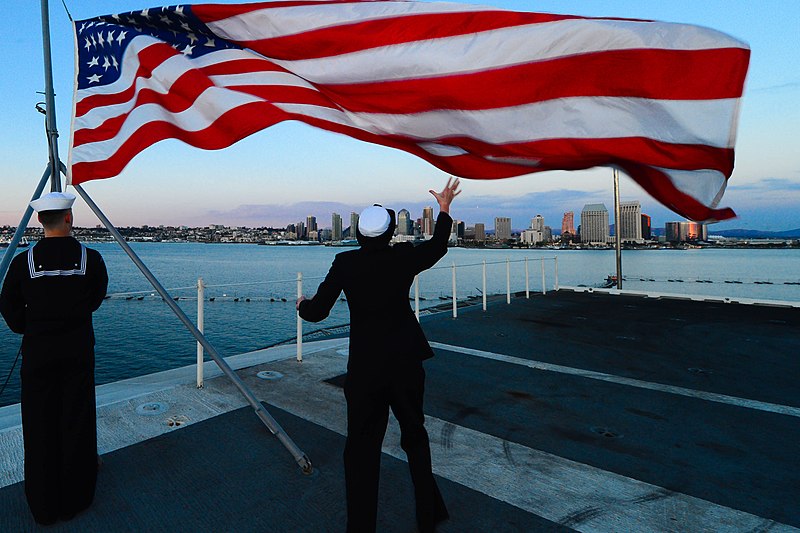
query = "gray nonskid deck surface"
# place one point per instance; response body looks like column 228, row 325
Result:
column 228, row 474
column 537, row 441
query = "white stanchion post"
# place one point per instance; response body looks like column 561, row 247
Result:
column 484, row 285
column 508, row 280
column 416, row 296
column 544, row 287
column 299, row 320
column 555, row 259
column 455, row 299
column 200, row 327
column 527, row 281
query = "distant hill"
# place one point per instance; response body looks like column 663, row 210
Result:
column 757, row 234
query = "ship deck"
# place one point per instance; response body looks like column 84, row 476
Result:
column 582, row 411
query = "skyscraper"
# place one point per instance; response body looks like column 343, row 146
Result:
column 594, row 223
column 427, row 221
column 685, row 231
column 301, row 230
column 630, row 221
column 502, row 228
column 480, row 232
column 353, row 224
column 537, row 223
column 568, row 223
column 646, row 229
column 404, row 224
column 311, row 224
column 336, row 227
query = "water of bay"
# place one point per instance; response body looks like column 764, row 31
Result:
column 137, row 334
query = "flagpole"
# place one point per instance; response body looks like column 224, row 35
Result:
column 23, row 224
column 50, row 102
column 273, row 426
column 617, row 229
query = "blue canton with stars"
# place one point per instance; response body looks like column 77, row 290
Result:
column 102, row 40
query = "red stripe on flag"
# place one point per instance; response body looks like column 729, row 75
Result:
column 357, row 36
column 668, row 75
column 225, row 131
column 661, row 188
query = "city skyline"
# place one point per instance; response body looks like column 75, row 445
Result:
column 271, row 177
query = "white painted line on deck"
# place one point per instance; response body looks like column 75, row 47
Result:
column 621, row 380
column 579, row 496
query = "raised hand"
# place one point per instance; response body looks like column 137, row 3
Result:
column 449, row 192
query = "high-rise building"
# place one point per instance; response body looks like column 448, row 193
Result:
column 537, row 223
column 531, row 236
column 594, row 224
column 461, row 229
column 629, row 224
column 427, row 221
column 502, row 228
column 311, row 223
column 646, row 229
column 404, row 224
column 336, row 227
column 301, row 230
column 685, row 231
column 568, row 224
column 353, row 224
column 480, row 232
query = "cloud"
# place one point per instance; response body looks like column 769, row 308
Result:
column 771, row 185
column 779, row 87
column 279, row 215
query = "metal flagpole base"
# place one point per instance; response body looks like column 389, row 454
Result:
column 273, row 426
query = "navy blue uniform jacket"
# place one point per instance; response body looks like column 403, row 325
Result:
column 376, row 283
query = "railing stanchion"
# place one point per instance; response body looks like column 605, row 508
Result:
column 508, row 280
column 484, row 285
column 527, row 281
column 455, row 299
column 416, row 296
column 201, row 328
column 299, row 320
column 544, row 287
column 555, row 259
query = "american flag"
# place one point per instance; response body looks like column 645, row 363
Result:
column 477, row 91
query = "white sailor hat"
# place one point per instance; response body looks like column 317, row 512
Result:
column 374, row 221
column 53, row 201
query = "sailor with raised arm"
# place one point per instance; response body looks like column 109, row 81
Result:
column 387, row 347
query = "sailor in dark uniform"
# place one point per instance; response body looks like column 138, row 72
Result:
column 49, row 295
column 384, row 369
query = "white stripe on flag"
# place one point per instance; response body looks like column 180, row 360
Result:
column 672, row 121
column 208, row 107
column 264, row 79
column 706, row 186
column 283, row 21
column 509, row 46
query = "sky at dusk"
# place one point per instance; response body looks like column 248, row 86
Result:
column 291, row 170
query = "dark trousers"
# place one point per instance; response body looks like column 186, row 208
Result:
column 60, row 434
column 368, row 401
